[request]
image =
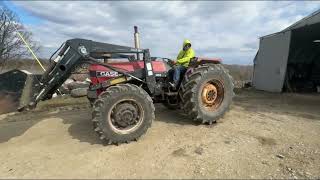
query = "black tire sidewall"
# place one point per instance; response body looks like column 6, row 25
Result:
column 109, row 103
column 228, row 93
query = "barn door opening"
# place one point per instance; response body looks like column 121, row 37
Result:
column 303, row 69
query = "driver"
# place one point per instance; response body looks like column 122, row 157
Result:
column 182, row 63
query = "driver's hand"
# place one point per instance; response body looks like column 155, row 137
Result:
column 172, row 62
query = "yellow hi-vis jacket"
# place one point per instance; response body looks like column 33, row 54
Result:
column 184, row 57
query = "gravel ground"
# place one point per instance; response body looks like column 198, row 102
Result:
column 264, row 135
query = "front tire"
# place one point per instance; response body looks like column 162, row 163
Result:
column 206, row 93
column 122, row 113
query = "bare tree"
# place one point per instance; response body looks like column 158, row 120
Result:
column 11, row 45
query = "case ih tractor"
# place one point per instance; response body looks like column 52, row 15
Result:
column 122, row 94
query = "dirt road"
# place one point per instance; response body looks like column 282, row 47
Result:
column 264, row 135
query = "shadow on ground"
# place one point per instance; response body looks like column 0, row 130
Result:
column 166, row 115
column 79, row 120
column 298, row 105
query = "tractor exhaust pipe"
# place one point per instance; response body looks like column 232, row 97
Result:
column 136, row 38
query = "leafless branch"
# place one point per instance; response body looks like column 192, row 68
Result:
column 11, row 46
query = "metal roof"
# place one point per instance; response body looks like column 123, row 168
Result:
column 313, row 18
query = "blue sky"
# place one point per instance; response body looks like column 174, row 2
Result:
column 226, row 29
column 25, row 16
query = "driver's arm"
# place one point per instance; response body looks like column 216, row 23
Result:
column 187, row 57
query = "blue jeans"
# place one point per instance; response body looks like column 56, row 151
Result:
column 177, row 73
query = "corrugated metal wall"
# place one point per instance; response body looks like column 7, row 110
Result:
column 271, row 62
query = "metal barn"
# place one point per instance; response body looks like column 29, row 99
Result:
column 290, row 60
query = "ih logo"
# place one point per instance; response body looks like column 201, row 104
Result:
column 107, row 74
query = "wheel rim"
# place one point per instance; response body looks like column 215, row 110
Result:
column 125, row 116
column 212, row 95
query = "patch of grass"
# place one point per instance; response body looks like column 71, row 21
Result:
column 63, row 101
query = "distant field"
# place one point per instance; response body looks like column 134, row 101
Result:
column 26, row 64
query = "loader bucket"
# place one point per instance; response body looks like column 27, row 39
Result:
column 16, row 89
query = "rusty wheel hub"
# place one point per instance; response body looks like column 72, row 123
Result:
column 212, row 95
column 209, row 94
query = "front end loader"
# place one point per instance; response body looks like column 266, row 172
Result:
column 127, row 81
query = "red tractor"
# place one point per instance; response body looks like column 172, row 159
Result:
column 122, row 93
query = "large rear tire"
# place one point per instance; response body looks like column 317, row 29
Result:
column 122, row 113
column 206, row 93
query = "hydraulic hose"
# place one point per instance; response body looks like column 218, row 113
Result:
column 50, row 59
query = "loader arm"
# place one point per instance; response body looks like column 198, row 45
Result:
column 76, row 52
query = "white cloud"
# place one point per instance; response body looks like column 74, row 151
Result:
column 227, row 29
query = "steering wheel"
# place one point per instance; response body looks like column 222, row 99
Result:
column 166, row 59
column 169, row 61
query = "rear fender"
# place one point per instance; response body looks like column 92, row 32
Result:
column 196, row 61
